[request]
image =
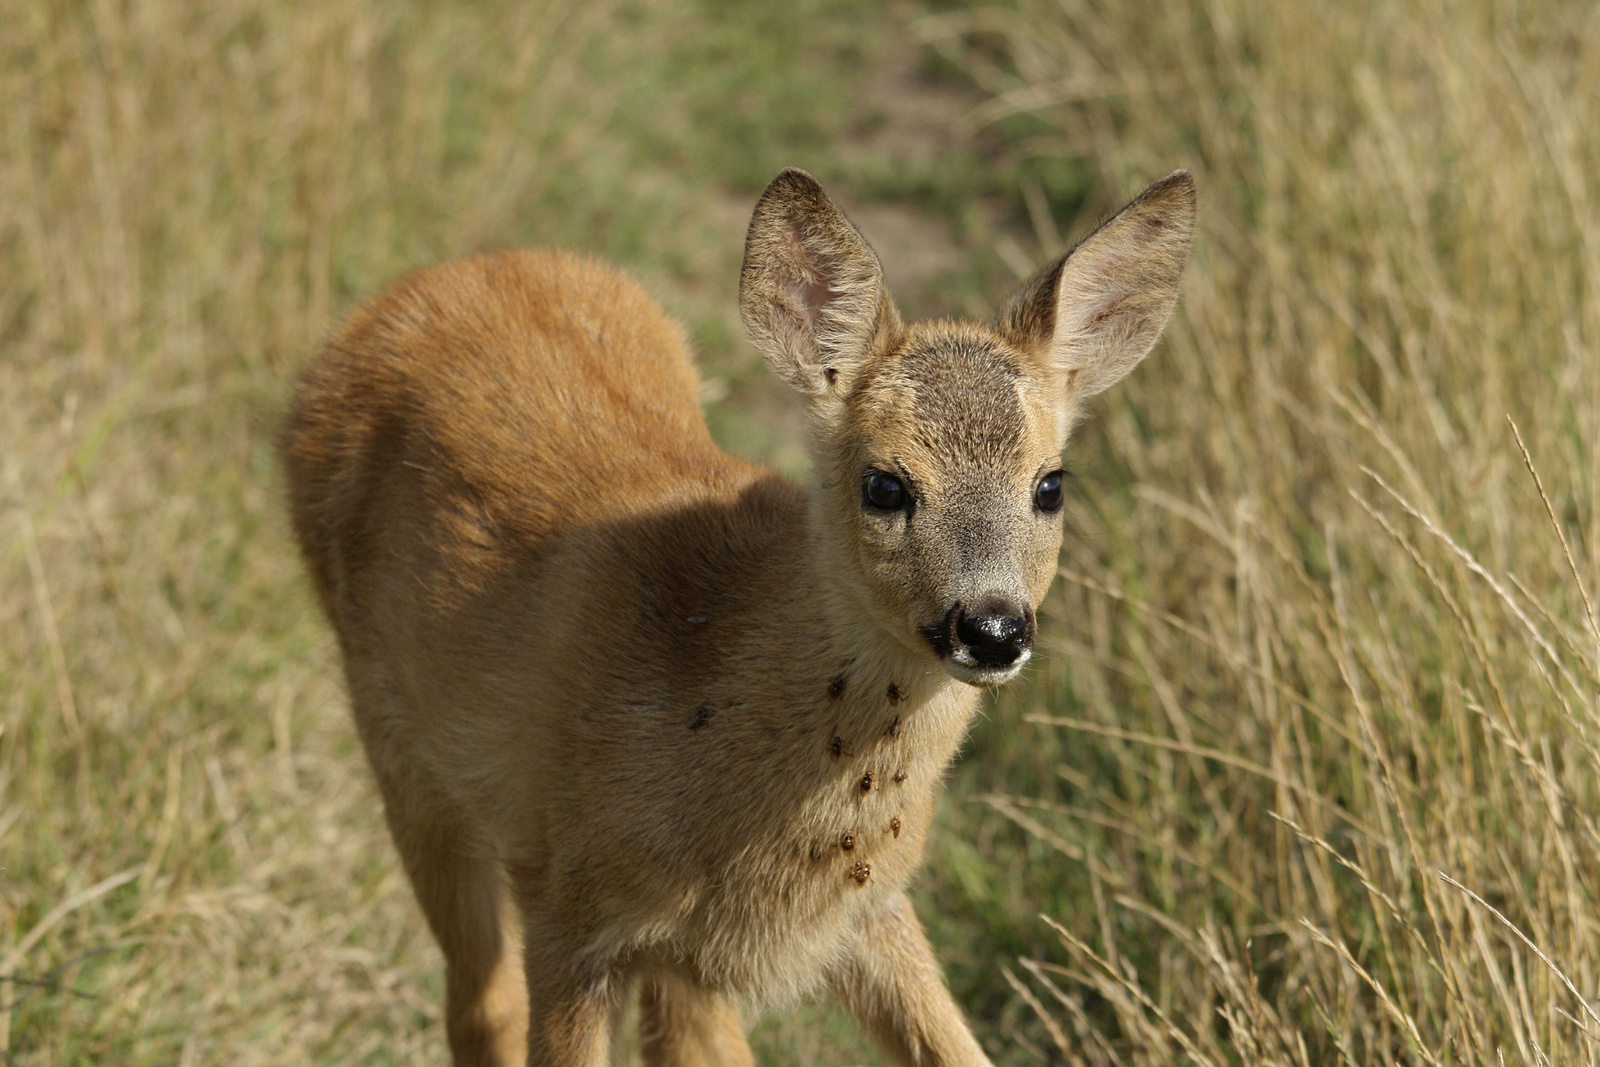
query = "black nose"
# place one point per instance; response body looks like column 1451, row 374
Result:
column 996, row 630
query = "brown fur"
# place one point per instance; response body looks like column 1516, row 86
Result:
column 691, row 715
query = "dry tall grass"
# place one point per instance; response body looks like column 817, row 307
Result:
column 192, row 872
column 193, row 867
column 1326, row 728
column 1288, row 689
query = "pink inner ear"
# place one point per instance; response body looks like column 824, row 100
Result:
column 1092, row 327
column 807, row 277
column 1093, row 311
column 1106, row 310
column 815, row 294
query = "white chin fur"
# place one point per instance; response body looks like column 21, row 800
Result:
column 964, row 669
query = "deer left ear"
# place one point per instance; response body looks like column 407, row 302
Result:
column 811, row 291
column 1097, row 311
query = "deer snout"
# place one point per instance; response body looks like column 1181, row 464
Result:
column 996, row 631
column 985, row 641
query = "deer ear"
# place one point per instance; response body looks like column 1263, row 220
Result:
column 1097, row 311
column 811, row 291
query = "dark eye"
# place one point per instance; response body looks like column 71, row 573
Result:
column 883, row 491
column 1047, row 495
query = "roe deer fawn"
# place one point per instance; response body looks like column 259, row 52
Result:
column 641, row 711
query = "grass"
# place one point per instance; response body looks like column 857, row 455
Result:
column 1314, row 767
column 1322, row 640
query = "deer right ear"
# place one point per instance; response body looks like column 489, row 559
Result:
column 1097, row 311
column 811, row 290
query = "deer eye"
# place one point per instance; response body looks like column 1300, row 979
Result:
column 883, row 491
column 1047, row 494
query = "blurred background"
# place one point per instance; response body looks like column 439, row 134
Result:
column 1308, row 770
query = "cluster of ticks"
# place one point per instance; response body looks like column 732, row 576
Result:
column 861, row 871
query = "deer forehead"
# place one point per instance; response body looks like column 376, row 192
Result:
column 953, row 402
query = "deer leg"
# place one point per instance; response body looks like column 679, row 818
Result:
column 461, row 896
column 572, row 997
column 890, row 980
column 684, row 1025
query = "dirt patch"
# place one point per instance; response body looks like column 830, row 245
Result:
column 912, row 122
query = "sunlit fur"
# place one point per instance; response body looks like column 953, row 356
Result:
column 688, row 712
column 969, row 421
